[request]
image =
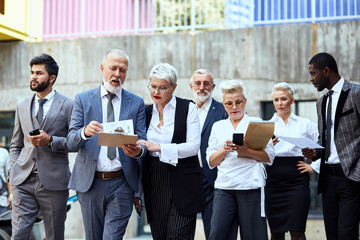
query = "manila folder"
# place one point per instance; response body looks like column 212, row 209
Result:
column 258, row 134
column 116, row 140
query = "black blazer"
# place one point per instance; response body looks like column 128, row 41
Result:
column 186, row 177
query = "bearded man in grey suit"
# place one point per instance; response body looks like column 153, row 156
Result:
column 39, row 165
column 339, row 133
column 107, row 180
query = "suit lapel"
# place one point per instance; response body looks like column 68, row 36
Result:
column 210, row 114
column 53, row 112
column 95, row 99
column 28, row 108
column 125, row 105
column 342, row 99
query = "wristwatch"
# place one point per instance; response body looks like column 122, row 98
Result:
column 50, row 144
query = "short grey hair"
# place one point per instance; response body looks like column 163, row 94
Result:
column 115, row 51
column 232, row 86
column 164, row 71
column 283, row 86
column 202, row 71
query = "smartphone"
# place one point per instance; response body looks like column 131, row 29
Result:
column 238, row 139
column 34, row 132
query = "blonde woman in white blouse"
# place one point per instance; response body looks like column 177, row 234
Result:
column 287, row 185
column 240, row 181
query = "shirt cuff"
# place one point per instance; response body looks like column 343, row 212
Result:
column 169, row 154
column 83, row 134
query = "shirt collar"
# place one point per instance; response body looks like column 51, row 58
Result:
column 206, row 105
column 291, row 117
column 103, row 92
column 48, row 97
column 338, row 86
column 171, row 103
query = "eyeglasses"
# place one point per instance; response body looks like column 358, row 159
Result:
column 238, row 103
column 206, row 83
column 161, row 89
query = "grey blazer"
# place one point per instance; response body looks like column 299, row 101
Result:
column 52, row 164
column 346, row 128
column 87, row 108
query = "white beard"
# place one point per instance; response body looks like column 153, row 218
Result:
column 202, row 98
column 111, row 88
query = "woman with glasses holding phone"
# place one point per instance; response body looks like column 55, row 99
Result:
column 287, row 184
column 172, row 177
column 240, row 181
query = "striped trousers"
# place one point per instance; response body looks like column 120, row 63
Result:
column 167, row 223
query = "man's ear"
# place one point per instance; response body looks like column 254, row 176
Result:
column 52, row 79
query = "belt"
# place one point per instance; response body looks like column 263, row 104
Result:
column 334, row 169
column 109, row 175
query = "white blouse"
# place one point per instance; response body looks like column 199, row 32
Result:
column 171, row 152
column 237, row 173
column 296, row 127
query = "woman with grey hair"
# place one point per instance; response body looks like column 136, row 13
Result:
column 287, row 184
column 240, row 181
column 172, row 177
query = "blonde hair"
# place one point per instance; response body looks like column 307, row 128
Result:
column 232, row 86
column 283, row 86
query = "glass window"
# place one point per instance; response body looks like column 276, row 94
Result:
column 6, row 128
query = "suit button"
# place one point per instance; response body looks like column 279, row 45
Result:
column 94, row 161
column 34, row 159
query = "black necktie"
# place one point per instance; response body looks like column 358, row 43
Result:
column 40, row 113
column 111, row 153
column 328, row 126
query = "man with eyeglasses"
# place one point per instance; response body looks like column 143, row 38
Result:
column 210, row 111
column 107, row 179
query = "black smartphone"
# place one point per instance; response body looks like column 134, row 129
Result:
column 34, row 132
column 238, row 139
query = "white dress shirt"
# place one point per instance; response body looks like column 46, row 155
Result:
column 296, row 127
column 334, row 157
column 237, row 173
column 203, row 112
column 46, row 105
column 171, row 152
column 104, row 164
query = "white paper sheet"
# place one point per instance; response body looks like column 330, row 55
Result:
column 127, row 125
column 301, row 142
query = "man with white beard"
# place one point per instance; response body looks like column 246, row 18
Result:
column 210, row 111
column 107, row 179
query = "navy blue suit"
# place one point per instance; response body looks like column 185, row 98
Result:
column 216, row 113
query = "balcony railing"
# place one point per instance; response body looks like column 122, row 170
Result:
column 91, row 18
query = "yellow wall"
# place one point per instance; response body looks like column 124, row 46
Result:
column 23, row 20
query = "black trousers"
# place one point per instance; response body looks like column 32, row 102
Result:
column 167, row 223
column 341, row 204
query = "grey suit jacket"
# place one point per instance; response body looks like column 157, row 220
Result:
column 52, row 164
column 346, row 128
column 87, row 108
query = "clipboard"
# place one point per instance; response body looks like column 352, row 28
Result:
column 116, row 140
column 258, row 134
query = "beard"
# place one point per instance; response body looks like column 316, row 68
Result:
column 111, row 88
column 41, row 86
column 202, row 97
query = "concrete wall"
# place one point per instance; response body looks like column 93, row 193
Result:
column 258, row 56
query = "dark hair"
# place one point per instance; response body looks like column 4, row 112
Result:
column 50, row 65
column 322, row 60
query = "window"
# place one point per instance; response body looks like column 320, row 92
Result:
column 306, row 109
column 6, row 128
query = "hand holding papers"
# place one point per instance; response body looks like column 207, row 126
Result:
column 258, row 134
column 116, row 134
